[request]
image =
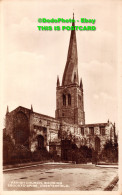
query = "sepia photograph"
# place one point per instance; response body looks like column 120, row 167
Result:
column 60, row 96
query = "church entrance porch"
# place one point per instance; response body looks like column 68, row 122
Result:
column 40, row 140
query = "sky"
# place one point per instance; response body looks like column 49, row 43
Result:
column 32, row 59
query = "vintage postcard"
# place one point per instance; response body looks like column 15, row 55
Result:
column 61, row 96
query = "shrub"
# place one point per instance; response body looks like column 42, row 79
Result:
column 8, row 148
column 82, row 154
column 109, row 152
column 21, row 153
column 41, row 155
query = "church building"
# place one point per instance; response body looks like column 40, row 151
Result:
column 37, row 131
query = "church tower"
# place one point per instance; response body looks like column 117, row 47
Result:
column 69, row 95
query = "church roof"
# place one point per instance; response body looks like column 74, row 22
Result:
column 71, row 69
column 21, row 108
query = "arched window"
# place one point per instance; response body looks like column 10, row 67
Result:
column 69, row 99
column 64, row 100
column 21, row 129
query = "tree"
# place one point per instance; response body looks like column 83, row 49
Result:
column 110, row 152
column 8, row 148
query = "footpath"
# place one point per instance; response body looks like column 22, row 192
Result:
column 23, row 165
column 113, row 185
column 30, row 164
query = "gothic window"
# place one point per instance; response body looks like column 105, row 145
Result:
column 82, row 130
column 69, row 99
column 64, row 100
column 21, row 129
column 91, row 130
column 102, row 130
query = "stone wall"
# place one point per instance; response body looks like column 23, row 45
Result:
column 53, row 131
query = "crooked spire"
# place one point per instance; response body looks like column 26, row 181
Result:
column 71, row 68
